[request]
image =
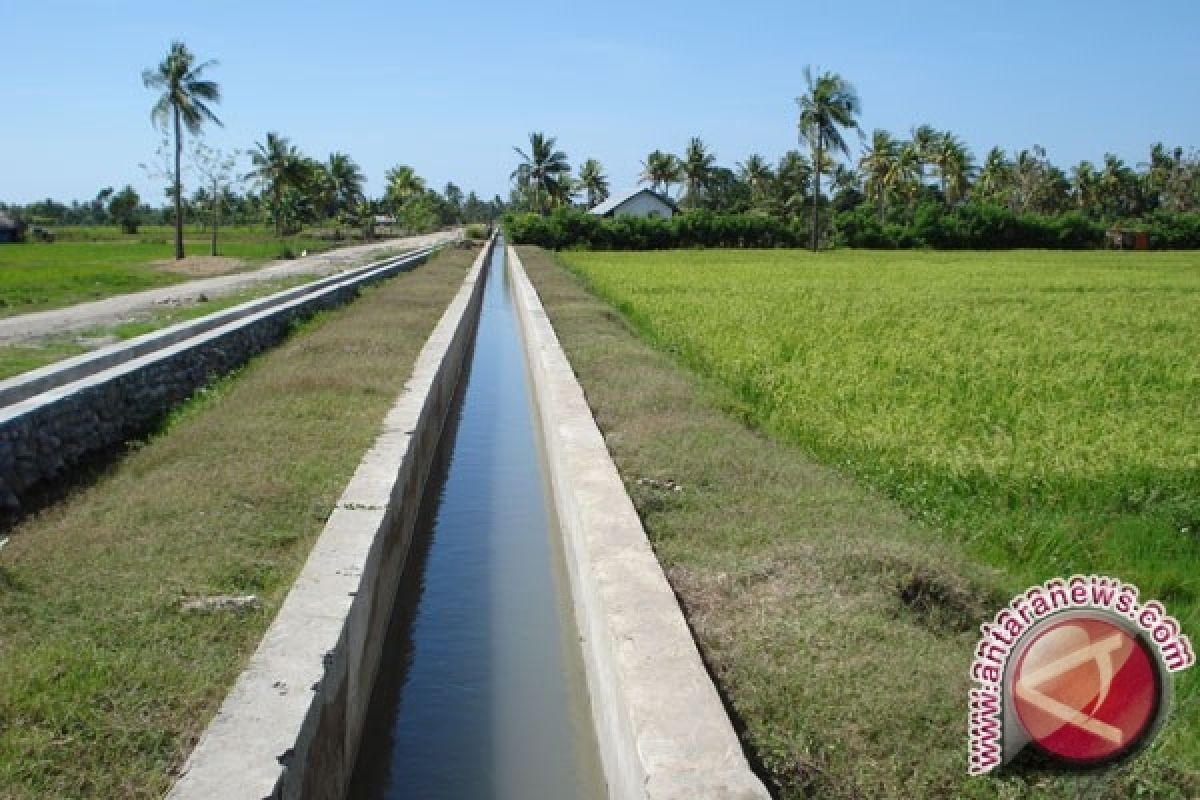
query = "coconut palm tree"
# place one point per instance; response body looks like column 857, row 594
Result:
column 996, row 178
column 879, row 168
column 346, row 180
column 541, row 165
column 660, row 170
column 593, row 181
column 924, row 144
column 756, row 172
column 277, row 165
column 1086, row 185
column 792, row 178
column 829, row 105
column 403, row 184
column 954, row 164
column 698, row 165
column 182, row 104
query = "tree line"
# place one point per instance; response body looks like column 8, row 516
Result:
column 923, row 189
column 283, row 186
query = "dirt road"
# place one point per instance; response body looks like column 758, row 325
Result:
column 113, row 310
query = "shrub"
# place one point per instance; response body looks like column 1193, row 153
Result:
column 477, row 231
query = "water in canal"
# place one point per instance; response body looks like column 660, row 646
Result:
column 481, row 693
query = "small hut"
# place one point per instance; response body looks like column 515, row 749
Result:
column 11, row 228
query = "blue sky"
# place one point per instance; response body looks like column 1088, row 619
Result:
column 450, row 87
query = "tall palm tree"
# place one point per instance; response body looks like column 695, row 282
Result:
column 829, row 105
column 660, row 170
column 276, row 167
column 184, row 103
column 1086, row 185
column 346, row 179
column 541, row 165
column 756, row 172
column 593, row 181
column 698, row 165
column 878, row 166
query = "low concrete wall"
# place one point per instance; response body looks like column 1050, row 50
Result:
column 291, row 726
column 662, row 730
column 59, row 415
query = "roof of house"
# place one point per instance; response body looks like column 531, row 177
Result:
column 615, row 201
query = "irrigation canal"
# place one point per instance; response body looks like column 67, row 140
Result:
column 481, row 693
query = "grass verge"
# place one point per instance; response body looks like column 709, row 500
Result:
column 838, row 627
column 105, row 683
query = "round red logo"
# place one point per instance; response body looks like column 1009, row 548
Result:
column 1086, row 690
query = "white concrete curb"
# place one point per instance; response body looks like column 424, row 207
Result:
column 292, row 723
column 662, row 730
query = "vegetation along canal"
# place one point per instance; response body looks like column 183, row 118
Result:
column 482, row 692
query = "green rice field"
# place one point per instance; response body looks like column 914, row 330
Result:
column 1041, row 407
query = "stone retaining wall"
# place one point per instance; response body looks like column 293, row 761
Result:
column 45, row 436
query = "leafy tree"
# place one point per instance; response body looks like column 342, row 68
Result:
column 217, row 169
column 276, row 168
column 454, row 202
column 184, row 104
column 593, row 181
column 698, row 165
column 660, row 170
column 829, row 105
column 541, row 166
column 1085, row 184
column 123, row 208
column 995, row 184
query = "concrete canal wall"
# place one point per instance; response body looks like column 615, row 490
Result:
column 662, row 730
column 291, row 726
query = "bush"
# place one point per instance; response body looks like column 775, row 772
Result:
column 571, row 228
column 477, row 231
column 1173, row 230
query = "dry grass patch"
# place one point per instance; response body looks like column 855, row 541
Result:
column 837, row 628
column 200, row 266
column 106, row 682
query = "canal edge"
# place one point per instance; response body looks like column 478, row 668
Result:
column 662, row 730
column 291, row 724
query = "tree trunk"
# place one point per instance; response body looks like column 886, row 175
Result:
column 216, row 221
column 178, row 190
column 816, row 214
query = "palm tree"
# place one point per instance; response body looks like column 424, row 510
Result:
column 403, row 184
column 541, row 165
column 879, row 168
column 184, row 101
column 792, row 178
column 346, row 180
column 697, row 165
column 924, row 144
column 756, row 172
column 830, row 104
column 593, row 181
column 996, row 178
column 1086, row 183
column 954, row 164
column 660, row 170
column 276, row 166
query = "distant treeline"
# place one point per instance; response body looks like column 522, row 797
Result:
column 966, row 226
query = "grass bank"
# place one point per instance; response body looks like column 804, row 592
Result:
column 838, row 623
column 91, row 264
column 106, row 683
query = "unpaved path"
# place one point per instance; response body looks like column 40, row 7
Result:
column 113, row 310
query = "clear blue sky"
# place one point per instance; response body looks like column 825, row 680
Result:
column 450, row 87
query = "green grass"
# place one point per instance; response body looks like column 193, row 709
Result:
column 105, row 684
column 1037, row 412
column 18, row 358
column 94, row 263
